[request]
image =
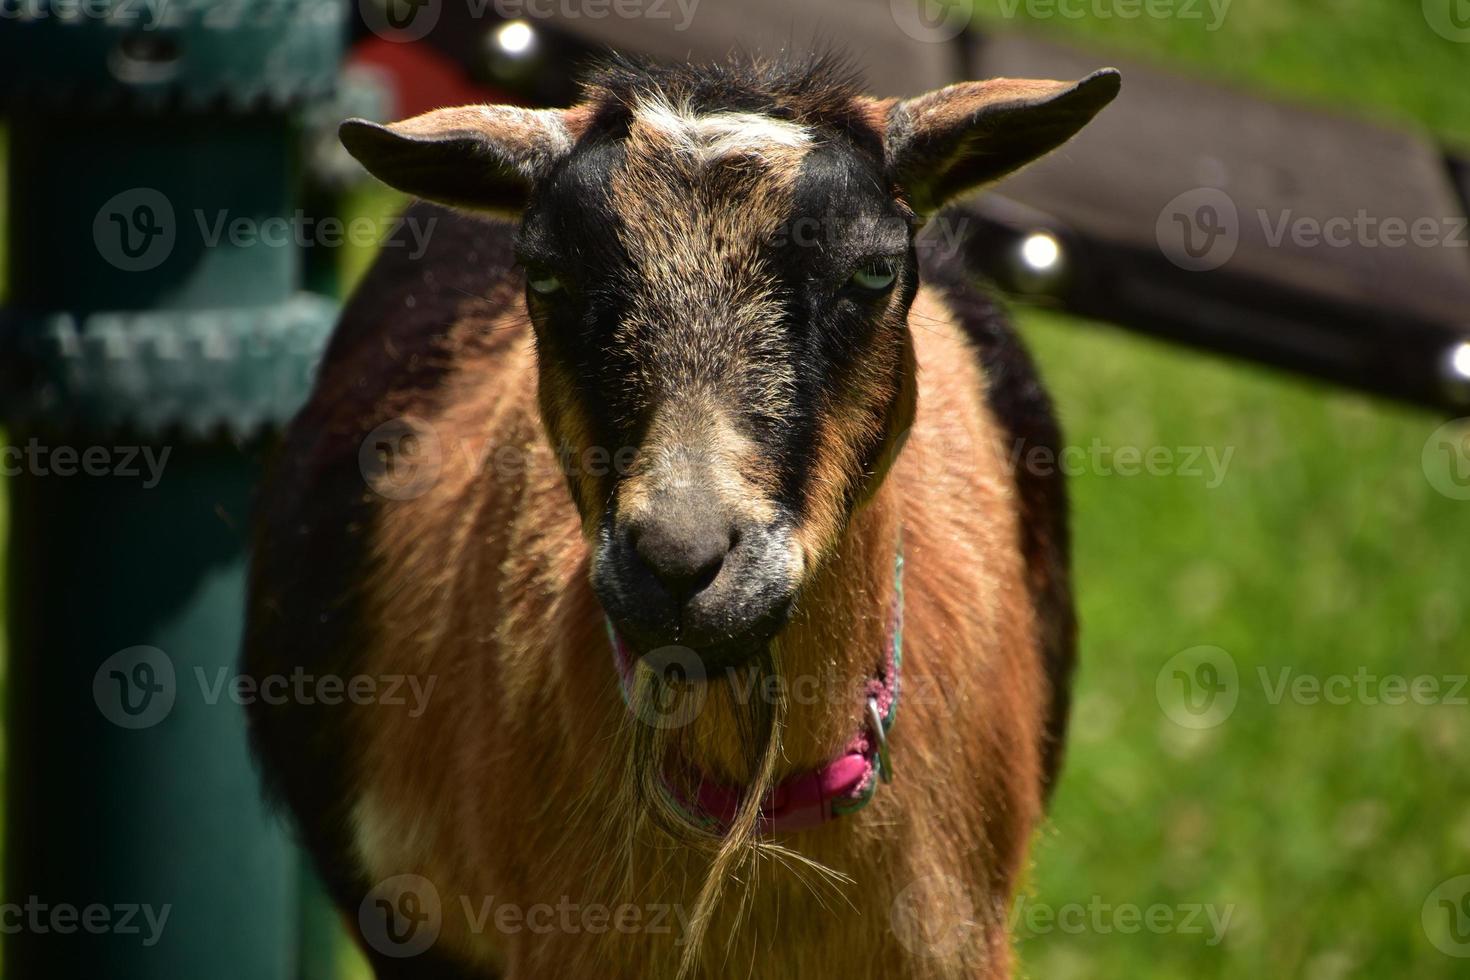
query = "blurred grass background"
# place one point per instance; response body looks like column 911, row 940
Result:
column 1323, row 550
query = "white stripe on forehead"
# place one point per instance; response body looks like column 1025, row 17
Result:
column 710, row 136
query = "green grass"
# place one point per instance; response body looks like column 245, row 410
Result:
column 1375, row 58
column 1323, row 551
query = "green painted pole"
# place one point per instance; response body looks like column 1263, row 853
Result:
column 154, row 335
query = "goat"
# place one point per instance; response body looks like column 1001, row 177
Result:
column 670, row 470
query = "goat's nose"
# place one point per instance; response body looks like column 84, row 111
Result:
column 683, row 547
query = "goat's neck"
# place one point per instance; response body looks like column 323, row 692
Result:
column 838, row 637
column 834, row 643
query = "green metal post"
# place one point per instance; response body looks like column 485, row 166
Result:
column 155, row 331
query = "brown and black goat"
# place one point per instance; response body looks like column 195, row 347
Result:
column 699, row 459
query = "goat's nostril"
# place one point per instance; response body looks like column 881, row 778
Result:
column 685, row 556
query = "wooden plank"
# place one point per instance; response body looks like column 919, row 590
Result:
column 1301, row 224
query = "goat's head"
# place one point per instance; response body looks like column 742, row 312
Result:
column 719, row 266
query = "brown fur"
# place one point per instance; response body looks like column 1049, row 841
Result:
column 516, row 748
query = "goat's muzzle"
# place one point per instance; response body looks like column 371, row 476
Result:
column 688, row 571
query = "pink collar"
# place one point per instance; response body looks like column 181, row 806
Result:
column 842, row 786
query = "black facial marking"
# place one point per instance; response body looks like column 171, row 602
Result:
column 570, row 229
column 843, row 219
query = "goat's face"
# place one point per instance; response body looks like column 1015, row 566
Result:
column 720, row 286
column 725, row 294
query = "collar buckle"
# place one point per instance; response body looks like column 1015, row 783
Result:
column 880, row 738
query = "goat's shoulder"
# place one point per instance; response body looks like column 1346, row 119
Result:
column 442, row 282
column 433, row 263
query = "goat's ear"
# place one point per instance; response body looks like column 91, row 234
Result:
column 961, row 136
column 481, row 157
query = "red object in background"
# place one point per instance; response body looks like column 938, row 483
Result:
column 422, row 77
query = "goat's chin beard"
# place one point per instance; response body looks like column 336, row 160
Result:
column 728, row 728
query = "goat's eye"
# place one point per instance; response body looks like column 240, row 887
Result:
column 875, row 275
column 543, row 282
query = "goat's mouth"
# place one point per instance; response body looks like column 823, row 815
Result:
column 701, row 654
